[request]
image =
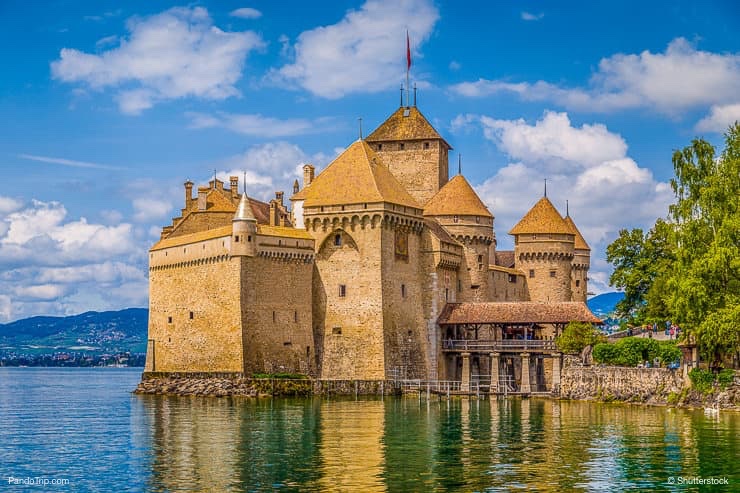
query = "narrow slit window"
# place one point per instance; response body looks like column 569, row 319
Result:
column 342, row 290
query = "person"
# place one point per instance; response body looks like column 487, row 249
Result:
column 672, row 333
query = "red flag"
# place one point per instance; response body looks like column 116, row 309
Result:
column 408, row 51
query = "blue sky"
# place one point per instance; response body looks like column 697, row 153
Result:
column 109, row 107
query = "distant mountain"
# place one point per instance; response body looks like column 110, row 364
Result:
column 94, row 332
column 603, row 304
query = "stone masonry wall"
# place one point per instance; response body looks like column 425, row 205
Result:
column 544, row 256
column 421, row 171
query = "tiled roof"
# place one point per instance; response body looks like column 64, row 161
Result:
column 439, row 231
column 505, row 258
column 261, row 210
column 456, row 197
column 542, row 218
column 580, row 240
column 516, row 312
column 414, row 126
column 300, row 194
column 284, row 232
column 358, row 175
column 208, row 234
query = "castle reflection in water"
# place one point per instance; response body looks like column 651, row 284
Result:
column 406, row 444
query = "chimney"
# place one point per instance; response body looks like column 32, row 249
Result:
column 308, row 170
column 279, row 197
column 188, row 193
column 273, row 214
column 234, row 184
column 202, row 192
column 295, row 187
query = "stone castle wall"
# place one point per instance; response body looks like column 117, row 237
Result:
column 422, row 171
column 276, row 310
column 545, row 261
column 506, row 285
column 194, row 315
column 202, row 221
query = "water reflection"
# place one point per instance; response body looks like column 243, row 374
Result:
column 403, row 444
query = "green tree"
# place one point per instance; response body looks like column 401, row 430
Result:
column 578, row 335
column 704, row 284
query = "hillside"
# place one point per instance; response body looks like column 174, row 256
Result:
column 93, row 332
column 603, row 304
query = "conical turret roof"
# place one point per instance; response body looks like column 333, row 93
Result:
column 406, row 123
column 244, row 212
column 580, row 243
column 542, row 218
column 456, row 197
column 357, row 175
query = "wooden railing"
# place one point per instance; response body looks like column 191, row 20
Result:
column 478, row 346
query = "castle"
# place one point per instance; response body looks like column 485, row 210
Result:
column 381, row 267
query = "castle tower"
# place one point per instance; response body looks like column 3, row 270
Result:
column 467, row 219
column 581, row 263
column 543, row 251
column 413, row 151
column 244, row 236
column 367, row 230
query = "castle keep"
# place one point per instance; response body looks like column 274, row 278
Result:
column 381, row 267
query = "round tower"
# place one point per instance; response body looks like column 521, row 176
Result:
column 466, row 218
column 544, row 252
column 244, row 230
column 581, row 262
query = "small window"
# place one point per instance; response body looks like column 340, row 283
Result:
column 534, row 237
column 475, row 286
column 337, row 240
column 512, row 278
column 295, row 316
column 531, row 273
column 552, row 273
column 342, row 290
column 403, row 290
column 308, row 351
column 192, row 315
column 337, row 331
column 480, row 259
column 578, row 282
column 169, row 320
column 365, row 206
column 426, row 145
column 402, row 146
column 455, row 219
column 236, row 238
column 477, row 219
column 249, row 238
column 447, row 294
column 274, row 317
column 380, row 147
column 287, row 343
column 280, row 242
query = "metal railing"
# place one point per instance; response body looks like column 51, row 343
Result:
column 477, row 345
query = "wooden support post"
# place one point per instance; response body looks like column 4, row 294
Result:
column 526, row 387
column 494, row 372
column 465, row 383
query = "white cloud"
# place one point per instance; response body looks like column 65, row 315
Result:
column 246, row 13
column 147, row 209
column 56, row 265
column 66, row 162
column 454, row 65
column 527, row 16
column 364, row 52
column 108, row 40
column 676, row 80
column 719, row 118
column 587, row 165
column 175, row 54
column 257, row 125
column 8, row 204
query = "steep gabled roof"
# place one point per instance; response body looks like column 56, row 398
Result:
column 542, row 218
column 580, row 243
column 456, row 197
column 358, row 175
column 406, row 123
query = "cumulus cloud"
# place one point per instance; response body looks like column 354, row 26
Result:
column 364, row 52
column 257, row 125
column 719, row 118
column 147, row 209
column 587, row 166
column 174, row 54
column 53, row 264
column 246, row 13
column 680, row 78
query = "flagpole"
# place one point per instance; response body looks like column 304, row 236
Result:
column 408, row 68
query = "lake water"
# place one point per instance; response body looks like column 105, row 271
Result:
column 83, row 425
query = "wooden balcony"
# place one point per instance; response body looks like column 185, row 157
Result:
column 506, row 345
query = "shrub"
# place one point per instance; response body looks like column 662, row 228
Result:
column 668, row 352
column 605, row 353
column 725, row 378
column 578, row 335
column 701, row 380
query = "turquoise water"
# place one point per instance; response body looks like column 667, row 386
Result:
column 84, row 426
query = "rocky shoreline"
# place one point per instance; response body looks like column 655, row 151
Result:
column 222, row 386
